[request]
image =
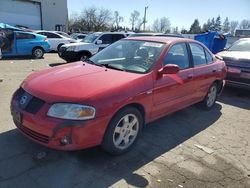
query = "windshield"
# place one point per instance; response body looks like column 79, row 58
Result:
column 129, row 55
column 240, row 45
column 91, row 38
column 64, row 34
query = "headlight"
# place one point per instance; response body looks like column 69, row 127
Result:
column 71, row 111
column 71, row 48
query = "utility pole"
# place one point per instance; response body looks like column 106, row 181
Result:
column 144, row 19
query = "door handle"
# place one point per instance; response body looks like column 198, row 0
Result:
column 190, row 76
column 214, row 70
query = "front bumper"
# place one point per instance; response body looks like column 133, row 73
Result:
column 49, row 131
column 238, row 79
column 69, row 56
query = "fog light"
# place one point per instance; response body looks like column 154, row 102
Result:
column 65, row 140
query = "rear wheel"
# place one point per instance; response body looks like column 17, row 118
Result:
column 37, row 53
column 210, row 98
column 123, row 131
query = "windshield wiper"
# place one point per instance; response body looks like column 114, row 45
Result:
column 111, row 66
column 90, row 61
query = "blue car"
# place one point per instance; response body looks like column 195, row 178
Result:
column 22, row 43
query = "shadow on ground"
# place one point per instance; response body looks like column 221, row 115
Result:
column 25, row 164
column 236, row 97
column 20, row 58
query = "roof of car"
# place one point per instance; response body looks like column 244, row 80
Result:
column 160, row 39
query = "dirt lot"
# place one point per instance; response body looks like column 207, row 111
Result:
column 170, row 152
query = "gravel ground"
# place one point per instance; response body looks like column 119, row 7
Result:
column 190, row 148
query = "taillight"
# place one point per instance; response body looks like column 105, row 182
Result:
column 46, row 39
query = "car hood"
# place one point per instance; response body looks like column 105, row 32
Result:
column 76, row 44
column 235, row 55
column 78, row 82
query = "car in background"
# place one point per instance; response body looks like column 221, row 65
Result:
column 89, row 46
column 237, row 59
column 155, row 34
column 63, row 34
column 108, row 99
column 21, row 43
column 55, row 39
column 78, row 36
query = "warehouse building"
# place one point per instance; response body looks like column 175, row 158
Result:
column 35, row 14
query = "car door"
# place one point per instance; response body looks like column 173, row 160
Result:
column 106, row 41
column 174, row 91
column 24, row 43
column 204, row 69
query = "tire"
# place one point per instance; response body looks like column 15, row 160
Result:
column 59, row 46
column 210, row 99
column 37, row 53
column 123, row 131
column 83, row 56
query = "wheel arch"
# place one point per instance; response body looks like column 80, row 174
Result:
column 220, row 85
column 38, row 47
column 88, row 53
column 136, row 105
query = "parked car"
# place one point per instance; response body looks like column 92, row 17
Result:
column 78, row 36
column 89, row 46
column 107, row 99
column 56, row 40
column 237, row 59
column 21, row 43
column 64, row 34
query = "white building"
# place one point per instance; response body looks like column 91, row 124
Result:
column 35, row 14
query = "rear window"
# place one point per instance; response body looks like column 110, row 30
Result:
column 20, row 36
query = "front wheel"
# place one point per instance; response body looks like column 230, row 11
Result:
column 83, row 57
column 210, row 98
column 37, row 53
column 59, row 46
column 123, row 131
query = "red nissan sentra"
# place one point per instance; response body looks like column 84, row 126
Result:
column 107, row 99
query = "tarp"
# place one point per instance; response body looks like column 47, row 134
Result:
column 7, row 26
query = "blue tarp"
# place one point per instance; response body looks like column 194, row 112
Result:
column 213, row 40
column 7, row 26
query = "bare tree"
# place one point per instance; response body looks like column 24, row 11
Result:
column 91, row 19
column 134, row 18
column 233, row 26
column 118, row 19
column 245, row 24
column 140, row 22
column 161, row 25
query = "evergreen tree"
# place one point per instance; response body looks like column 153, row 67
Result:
column 195, row 27
column 217, row 25
column 212, row 25
column 226, row 25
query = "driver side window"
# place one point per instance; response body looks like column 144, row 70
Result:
column 177, row 55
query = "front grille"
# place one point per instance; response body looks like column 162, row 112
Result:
column 35, row 135
column 33, row 104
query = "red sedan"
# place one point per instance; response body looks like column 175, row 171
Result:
column 107, row 99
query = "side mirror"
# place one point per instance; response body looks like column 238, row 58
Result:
column 99, row 42
column 169, row 69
